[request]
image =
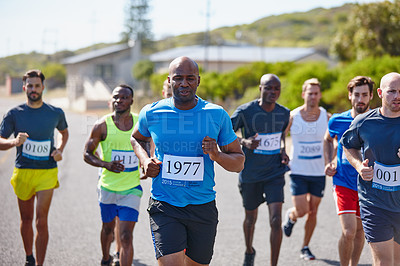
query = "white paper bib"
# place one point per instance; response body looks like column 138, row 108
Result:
column 183, row 168
column 129, row 159
column 269, row 143
column 310, row 150
column 36, row 149
column 386, row 177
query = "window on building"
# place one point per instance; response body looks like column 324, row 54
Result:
column 104, row 71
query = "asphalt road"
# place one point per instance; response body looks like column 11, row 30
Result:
column 74, row 218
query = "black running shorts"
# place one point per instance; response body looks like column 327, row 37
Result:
column 192, row 227
column 254, row 194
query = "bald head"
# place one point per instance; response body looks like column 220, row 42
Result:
column 390, row 80
column 184, row 79
column 183, row 61
column 268, row 77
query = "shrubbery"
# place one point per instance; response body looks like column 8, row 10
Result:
column 241, row 85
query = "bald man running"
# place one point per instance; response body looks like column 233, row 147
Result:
column 263, row 123
column 186, row 131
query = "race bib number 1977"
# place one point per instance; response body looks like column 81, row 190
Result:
column 183, row 168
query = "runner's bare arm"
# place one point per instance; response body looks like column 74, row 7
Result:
column 62, row 140
column 6, row 144
column 355, row 159
column 231, row 156
column 151, row 165
column 284, row 157
column 99, row 132
column 250, row 143
column 330, row 151
column 287, row 130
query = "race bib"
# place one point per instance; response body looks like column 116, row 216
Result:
column 269, row 143
column 386, row 177
column 182, row 168
column 36, row 149
column 129, row 159
column 310, row 150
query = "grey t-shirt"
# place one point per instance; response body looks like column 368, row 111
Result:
column 250, row 118
column 378, row 138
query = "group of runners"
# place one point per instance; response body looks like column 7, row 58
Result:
column 175, row 142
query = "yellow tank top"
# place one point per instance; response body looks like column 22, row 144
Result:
column 117, row 146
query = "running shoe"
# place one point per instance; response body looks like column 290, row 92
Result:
column 288, row 224
column 30, row 261
column 107, row 262
column 306, row 254
column 116, row 259
column 249, row 258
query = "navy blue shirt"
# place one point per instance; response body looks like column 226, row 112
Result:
column 378, row 138
column 252, row 119
column 39, row 124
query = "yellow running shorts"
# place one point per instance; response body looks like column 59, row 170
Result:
column 26, row 182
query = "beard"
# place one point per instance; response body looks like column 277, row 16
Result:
column 35, row 97
column 362, row 109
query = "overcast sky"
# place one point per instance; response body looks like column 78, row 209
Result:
column 51, row 25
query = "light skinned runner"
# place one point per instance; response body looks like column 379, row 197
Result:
column 351, row 242
column 372, row 146
column 35, row 174
column 307, row 127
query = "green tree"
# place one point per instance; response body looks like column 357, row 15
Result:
column 372, row 30
column 156, row 83
column 142, row 71
column 138, row 26
column 55, row 75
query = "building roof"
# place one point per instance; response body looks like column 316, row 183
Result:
column 239, row 53
column 95, row 54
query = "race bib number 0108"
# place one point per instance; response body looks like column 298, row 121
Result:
column 269, row 143
column 36, row 149
column 183, row 168
column 127, row 158
column 386, row 177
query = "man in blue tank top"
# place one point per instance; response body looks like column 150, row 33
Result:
column 372, row 146
column 35, row 172
column 351, row 242
column 307, row 126
column 263, row 122
column 186, row 131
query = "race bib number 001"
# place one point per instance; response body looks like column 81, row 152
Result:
column 127, row 158
column 269, row 143
column 183, row 168
column 36, row 149
column 310, row 150
column 386, row 177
